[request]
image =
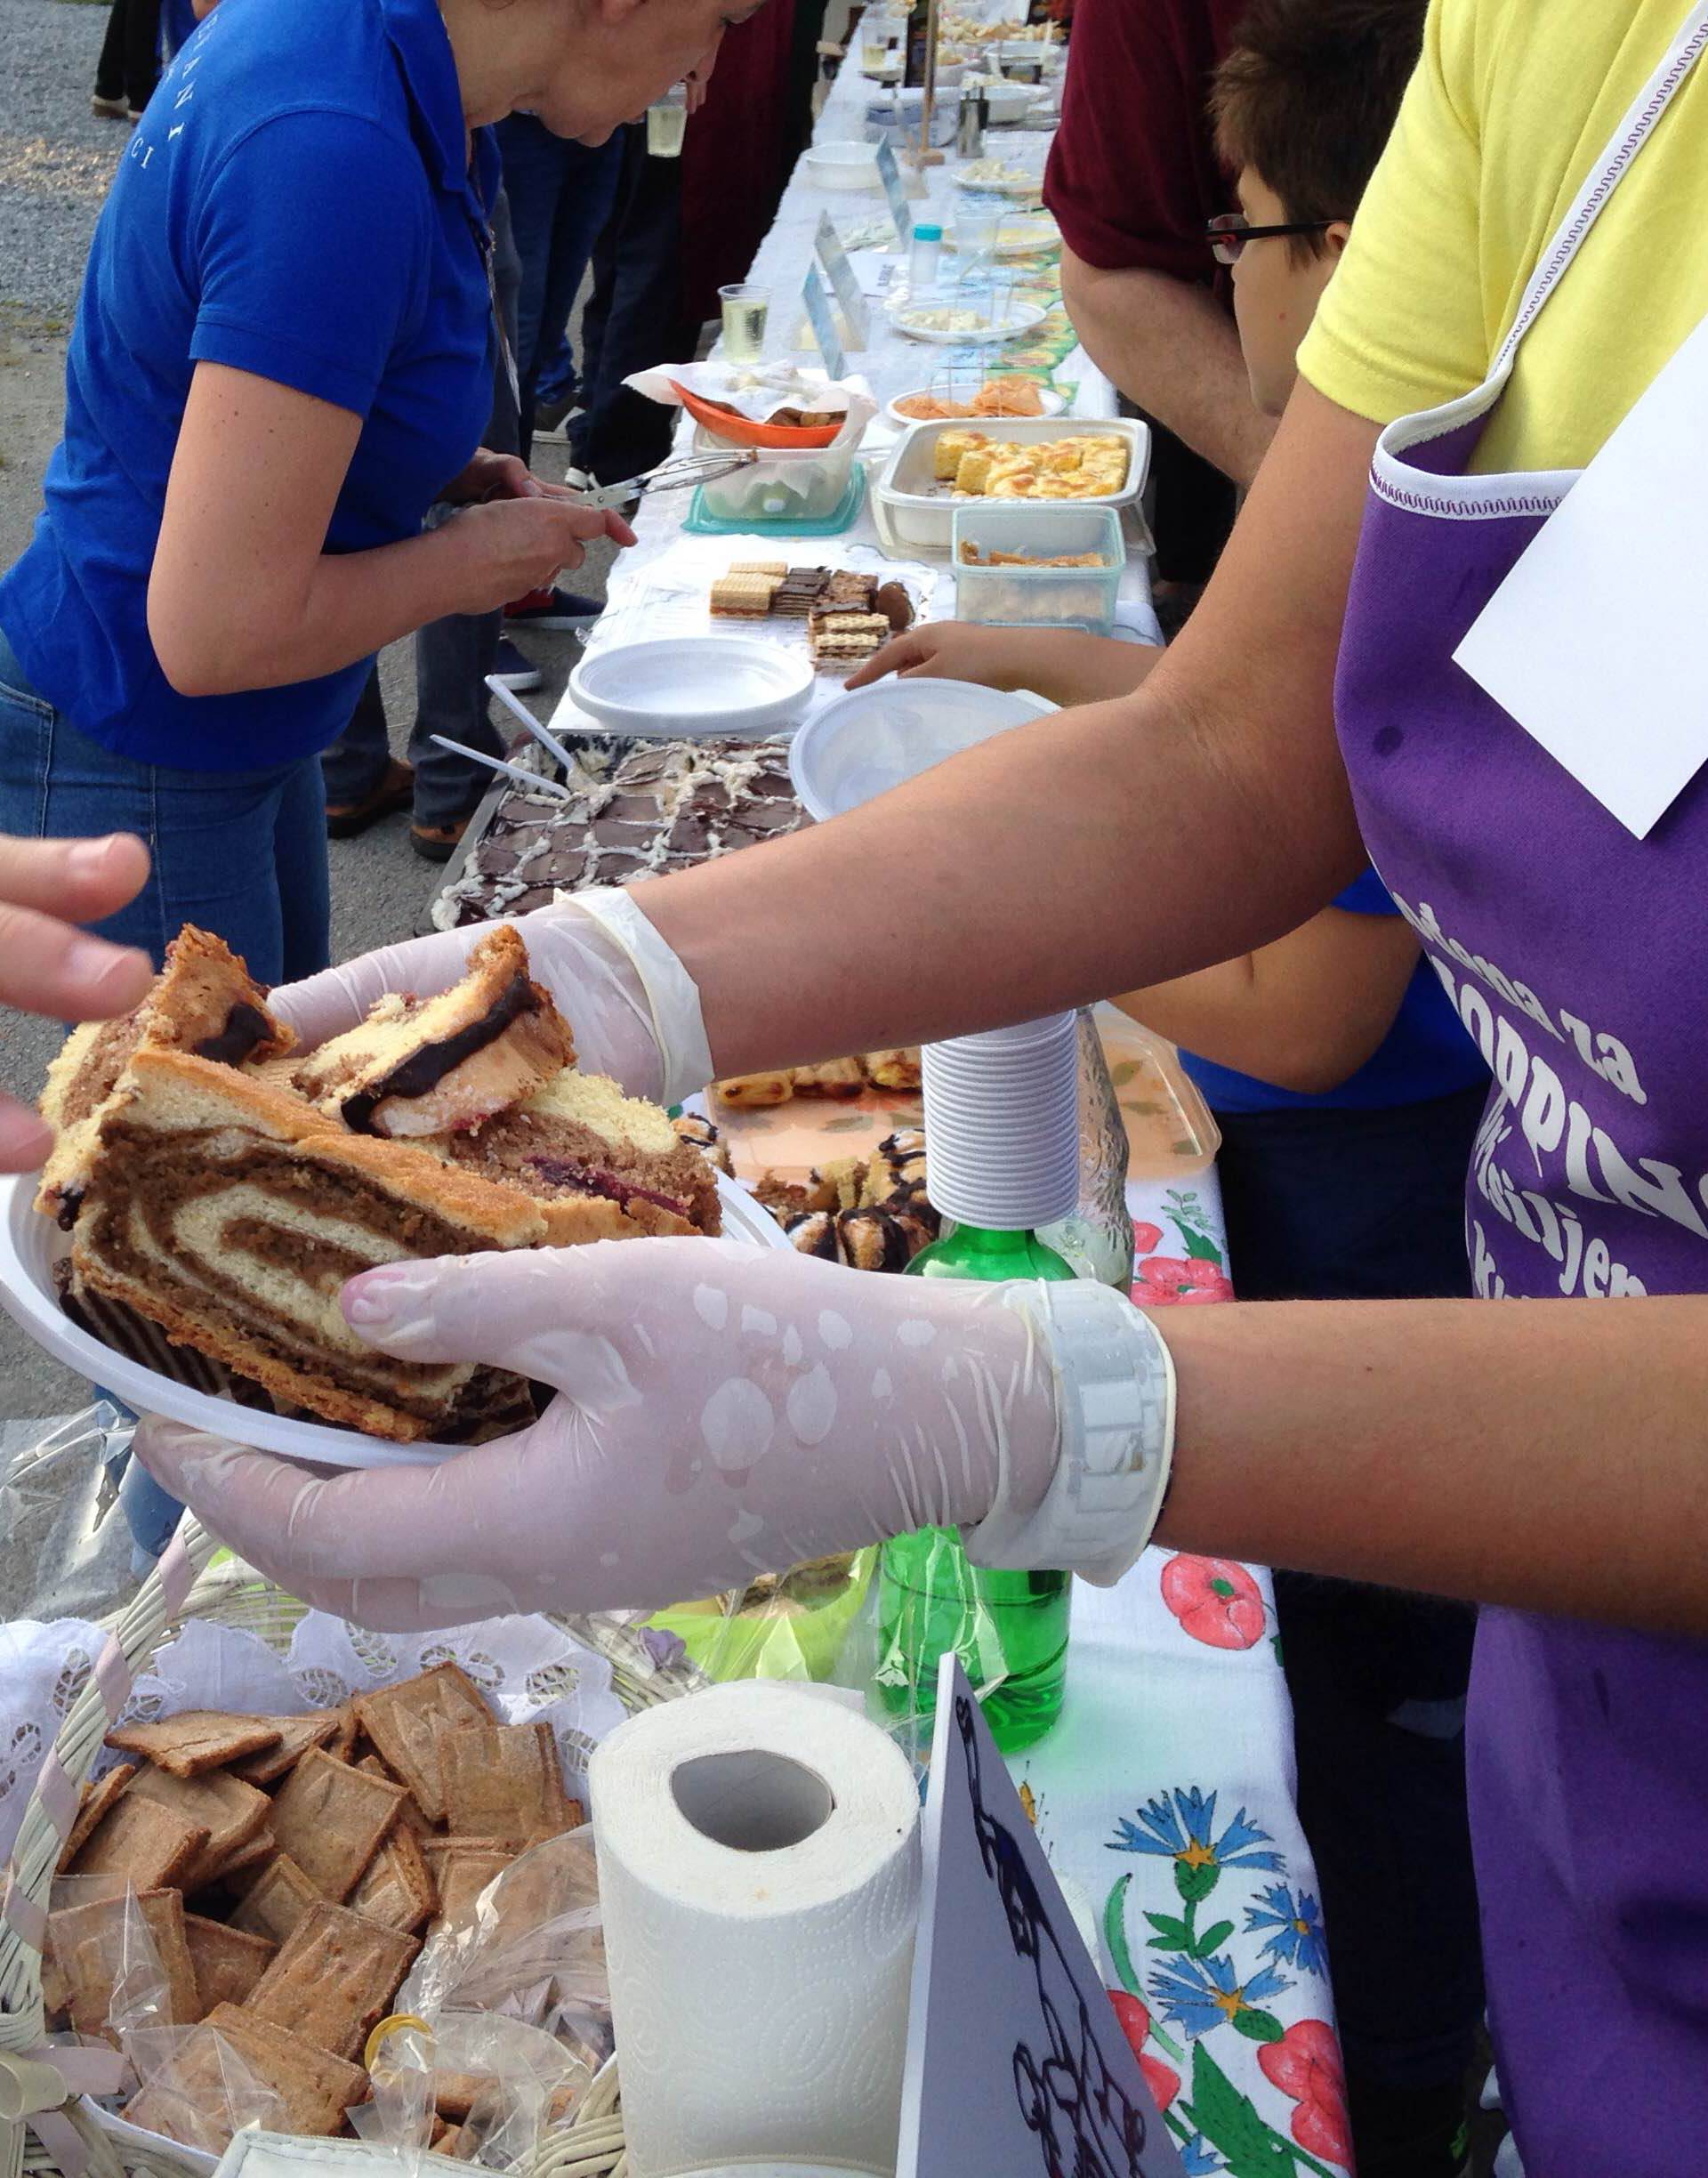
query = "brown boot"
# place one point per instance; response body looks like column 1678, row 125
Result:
column 437, row 843
column 395, row 791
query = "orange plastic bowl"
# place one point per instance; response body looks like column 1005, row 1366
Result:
column 741, row 431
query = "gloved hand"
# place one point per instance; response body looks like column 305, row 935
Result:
column 632, row 1004
column 725, row 1410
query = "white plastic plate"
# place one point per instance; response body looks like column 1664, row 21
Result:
column 30, row 1246
column 729, row 685
column 1013, row 320
column 1054, row 402
column 875, row 737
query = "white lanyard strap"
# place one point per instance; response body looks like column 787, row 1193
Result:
column 1628, row 139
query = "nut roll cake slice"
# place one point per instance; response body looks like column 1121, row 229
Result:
column 231, row 1213
column 431, row 1066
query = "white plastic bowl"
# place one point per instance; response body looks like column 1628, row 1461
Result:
column 844, row 165
column 730, row 685
column 30, row 1246
column 875, row 739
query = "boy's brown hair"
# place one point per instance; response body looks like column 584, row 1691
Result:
column 1308, row 96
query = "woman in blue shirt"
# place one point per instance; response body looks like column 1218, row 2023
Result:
column 281, row 355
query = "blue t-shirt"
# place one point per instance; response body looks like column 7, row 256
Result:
column 178, row 26
column 297, row 202
column 1425, row 1054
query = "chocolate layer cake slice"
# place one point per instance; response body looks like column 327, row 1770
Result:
column 204, row 1001
column 230, row 1215
column 600, row 1166
column 431, row 1065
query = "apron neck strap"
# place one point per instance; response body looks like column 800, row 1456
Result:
column 1628, row 139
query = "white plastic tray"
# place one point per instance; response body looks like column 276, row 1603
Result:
column 916, row 514
column 728, row 685
column 874, row 739
column 30, row 1246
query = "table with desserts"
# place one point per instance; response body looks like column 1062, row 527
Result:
column 1165, row 1792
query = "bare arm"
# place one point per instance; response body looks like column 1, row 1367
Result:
column 1172, row 349
column 1304, row 1013
column 1016, row 879
column 1057, row 663
column 1548, row 1456
column 243, row 594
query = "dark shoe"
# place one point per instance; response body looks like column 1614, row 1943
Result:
column 437, row 843
column 555, row 610
column 520, row 675
column 549, row 416
column 395, row 791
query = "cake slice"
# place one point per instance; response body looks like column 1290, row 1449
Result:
column 599, row 1165
column 431, row 1065
column 203, row 1001
column 231, row 1215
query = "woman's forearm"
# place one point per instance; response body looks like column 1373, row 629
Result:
column 1092, row 853
column 1548, row 1454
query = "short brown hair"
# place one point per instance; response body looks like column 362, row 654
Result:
column 1308, row 98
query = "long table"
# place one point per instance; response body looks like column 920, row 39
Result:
column 1165, row 1794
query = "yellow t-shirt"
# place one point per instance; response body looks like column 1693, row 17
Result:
column 1512, row 107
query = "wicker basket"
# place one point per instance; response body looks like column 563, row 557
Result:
column 49, row 2123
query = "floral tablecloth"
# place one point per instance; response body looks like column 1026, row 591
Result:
column 1165, row 1798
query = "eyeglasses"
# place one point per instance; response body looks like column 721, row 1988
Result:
column 1229, row 231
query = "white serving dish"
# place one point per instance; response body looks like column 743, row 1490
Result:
column 1012, row 320
column 1004, row 102
column 1019, row 233
column 1053, row 404
column 1001, row 178
column 844, row 165
column 866, row 742
column 1082, row 597
column 728, row 685
column 916, row 515
column 30, row 1246
column 780, row 483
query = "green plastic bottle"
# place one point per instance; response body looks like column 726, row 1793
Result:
column 1008, row 1629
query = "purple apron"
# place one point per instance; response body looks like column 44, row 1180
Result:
column 1574, row 955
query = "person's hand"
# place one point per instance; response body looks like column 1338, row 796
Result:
column 724, row 1410
column 494, row 476
column 47, row 965
column 953, row 650
column 507, row 547
column 631, row 1005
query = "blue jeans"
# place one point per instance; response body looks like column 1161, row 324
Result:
column 561, row 197
column 242, row 853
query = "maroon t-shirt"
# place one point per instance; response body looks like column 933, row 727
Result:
column 1134, row 174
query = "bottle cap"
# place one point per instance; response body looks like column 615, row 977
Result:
column 928, row 232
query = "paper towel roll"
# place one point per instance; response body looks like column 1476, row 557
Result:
column 759, row 1873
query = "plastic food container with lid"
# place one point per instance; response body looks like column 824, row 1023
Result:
column 914, row 514
column 783, row 484
column 1007, row 596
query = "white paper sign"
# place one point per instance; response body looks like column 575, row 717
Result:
column 1016, row 2065
column 895, row 191
column 849, row 300
column 1596, row 641
column 822, row 318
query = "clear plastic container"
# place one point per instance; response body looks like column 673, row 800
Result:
column 783, row 484
column 1038, row 596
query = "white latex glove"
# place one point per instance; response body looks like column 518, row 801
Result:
column 632, row 1004
column 725, row 1410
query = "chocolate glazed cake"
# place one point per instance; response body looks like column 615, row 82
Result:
column 231, row 1215
column 434, row 1066
column 204, row 1001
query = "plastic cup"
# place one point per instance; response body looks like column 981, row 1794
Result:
column 746, row 306
column 667, row 124
column 974, row 227
column 1002, row 1125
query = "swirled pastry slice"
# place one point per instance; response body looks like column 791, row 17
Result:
column 204, row 1001
column 431, row 1065
column 231, row 1215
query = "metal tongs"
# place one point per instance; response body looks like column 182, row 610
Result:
column 675, row 475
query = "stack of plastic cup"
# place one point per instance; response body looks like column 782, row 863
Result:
column 1001, row 1126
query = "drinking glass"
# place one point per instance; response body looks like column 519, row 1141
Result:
column 745, row 308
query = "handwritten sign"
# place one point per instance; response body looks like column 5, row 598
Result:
column 849, row 300
column 823, row 321
column 896, row 189
column 1016, row 2061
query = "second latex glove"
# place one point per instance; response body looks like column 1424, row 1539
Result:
column 724, row 1411
column 632, row 1004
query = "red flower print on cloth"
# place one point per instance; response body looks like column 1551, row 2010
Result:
column 1172, row 1281
column 1145, row 1236
column 1215, row 1600
column 1306, row 2064
column 1163, row 2081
